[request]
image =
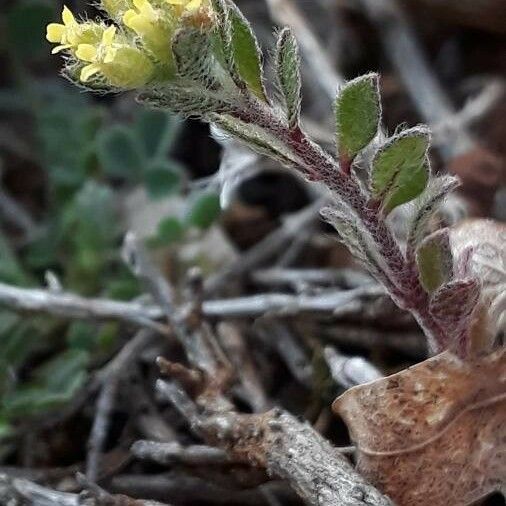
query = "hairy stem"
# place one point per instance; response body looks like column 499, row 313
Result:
column 399, row 276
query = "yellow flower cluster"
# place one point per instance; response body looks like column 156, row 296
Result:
column 131, row 53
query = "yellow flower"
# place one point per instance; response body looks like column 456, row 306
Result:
column 116, row 8
column 71, row 33
column 122, row 65
column 185, row 5
column 97, row 56
column 152, row 27
column 58, row 33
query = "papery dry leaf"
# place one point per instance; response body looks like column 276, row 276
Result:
column 481, row 245
column 434, row 434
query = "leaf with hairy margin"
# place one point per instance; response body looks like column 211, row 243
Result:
column 400, row 168
column 193, row 56
column 247, row 54
column 435, row 260
column 288, row 73
column 239, row 47
column 356, row 238
column 452, row 307
column 186, row 100
column 426, row 205
column 256, row 138
column 358, row 115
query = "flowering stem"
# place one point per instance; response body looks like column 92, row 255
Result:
column 400, row 275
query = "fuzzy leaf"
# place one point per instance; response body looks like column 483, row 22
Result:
column 288, row 71
column 193, row 56
column 356, row 238
column 256, row 138
column 185, row 100
column 358, row 115
column 452, row 306
column 162, row 178
column 157, row 131
column 427, row 204
column 432, row 434
column 119, row 152
column 204, row 210
column 238, row 47
column 247, row 54
column 435, row 261
column 400, row 168
column 169, row 231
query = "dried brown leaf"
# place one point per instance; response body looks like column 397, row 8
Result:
column 434, row 433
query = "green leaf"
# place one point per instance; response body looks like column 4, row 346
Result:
column 435, row 261
column 163, row 178
column 288, row 71
column 5, row 429
column 89, row 232
column 33, row 400
column 427, row 204
column 11, row 271
column 358, row 115
column 119, row 152
column 55, row 383
column 204, row 211
column 256, row 138
column 170, row 230
column 56, row 373
column 125, row 286
column 81, row 336
column 247, row 54
column 156, row 131
column 400, row 169
column 238, row 48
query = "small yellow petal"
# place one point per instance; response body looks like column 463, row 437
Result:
column 110, row 54
column 139, row 24
column 128, row 16
column 108, row 36
column 88, row 71
column 55, row 32
column 68, row 17
column 176, row 2
column 87, row 52
column 193, row 5
column 145, row 8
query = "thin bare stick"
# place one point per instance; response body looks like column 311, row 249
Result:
column 68, row 305
column 22, row 492
column 282, row 304
column 278, row 335
column 235, row 346
column 175, row 453
column 111, row 378
column 349, row 371
column 348, row 278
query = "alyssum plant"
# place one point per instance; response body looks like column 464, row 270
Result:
column 418, row 434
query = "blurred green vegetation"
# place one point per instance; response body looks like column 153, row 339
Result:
column 87, row 154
